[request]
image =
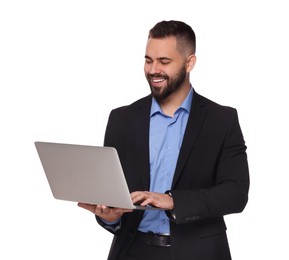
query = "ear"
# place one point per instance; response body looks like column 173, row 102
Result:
column 191, row 61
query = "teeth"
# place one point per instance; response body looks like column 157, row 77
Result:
column 158, row 80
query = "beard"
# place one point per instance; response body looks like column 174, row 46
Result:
column 173, row 84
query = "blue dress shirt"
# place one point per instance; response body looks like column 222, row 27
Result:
column 166, row 136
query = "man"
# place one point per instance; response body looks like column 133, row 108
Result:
column 180, row 152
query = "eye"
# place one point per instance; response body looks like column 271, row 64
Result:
column 165, row 62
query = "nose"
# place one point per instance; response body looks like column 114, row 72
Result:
column 152, row 68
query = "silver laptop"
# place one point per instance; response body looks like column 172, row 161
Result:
column 88, row 174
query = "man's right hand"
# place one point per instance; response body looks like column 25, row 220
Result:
column 106, row 213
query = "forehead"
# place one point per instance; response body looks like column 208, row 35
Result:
column 165, row 47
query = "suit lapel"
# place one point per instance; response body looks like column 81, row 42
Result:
column 142, row 123
column 195, row 122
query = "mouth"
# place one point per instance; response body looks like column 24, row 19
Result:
column 157, row 80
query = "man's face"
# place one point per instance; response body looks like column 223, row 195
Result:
column 165, row 68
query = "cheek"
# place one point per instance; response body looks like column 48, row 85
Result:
column 146, row 69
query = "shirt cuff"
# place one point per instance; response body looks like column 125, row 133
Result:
column 112, row 226
column 110, row 223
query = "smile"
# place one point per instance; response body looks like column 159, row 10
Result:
column 158, row 80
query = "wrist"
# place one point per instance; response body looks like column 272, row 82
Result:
column 171, row 214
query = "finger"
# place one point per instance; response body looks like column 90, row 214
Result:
column 87, row 206
column 105, row 209
column 148, row 201
column 135, row 194
column 98, row 210
column 82, row 205
column 139, row 196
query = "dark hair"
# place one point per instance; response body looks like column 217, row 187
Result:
column 186, row 39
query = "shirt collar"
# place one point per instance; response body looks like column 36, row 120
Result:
column 186, row 105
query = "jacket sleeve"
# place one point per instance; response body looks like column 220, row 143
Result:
column 229, row 194
column 112, row 228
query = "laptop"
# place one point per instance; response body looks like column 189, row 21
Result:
column 87, row 174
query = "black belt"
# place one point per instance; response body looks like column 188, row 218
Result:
column 152, row 239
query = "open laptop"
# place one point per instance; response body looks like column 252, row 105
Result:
column 88, row 174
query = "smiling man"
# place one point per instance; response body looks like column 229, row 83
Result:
column 167, row 70
column 180, row 152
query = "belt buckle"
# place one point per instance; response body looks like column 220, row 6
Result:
column 159, row 240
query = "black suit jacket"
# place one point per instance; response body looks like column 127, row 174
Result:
column 211, row 177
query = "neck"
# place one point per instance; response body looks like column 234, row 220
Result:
column 173, row 102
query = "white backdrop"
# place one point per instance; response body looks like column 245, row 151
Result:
column 65, row 64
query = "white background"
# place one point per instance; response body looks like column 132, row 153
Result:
column 65, row 64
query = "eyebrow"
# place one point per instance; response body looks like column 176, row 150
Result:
column 160, row 58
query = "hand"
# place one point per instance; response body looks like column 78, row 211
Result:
column 106, row 213
column 155, row 199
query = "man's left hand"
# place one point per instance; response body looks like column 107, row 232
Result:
column 155, row 199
